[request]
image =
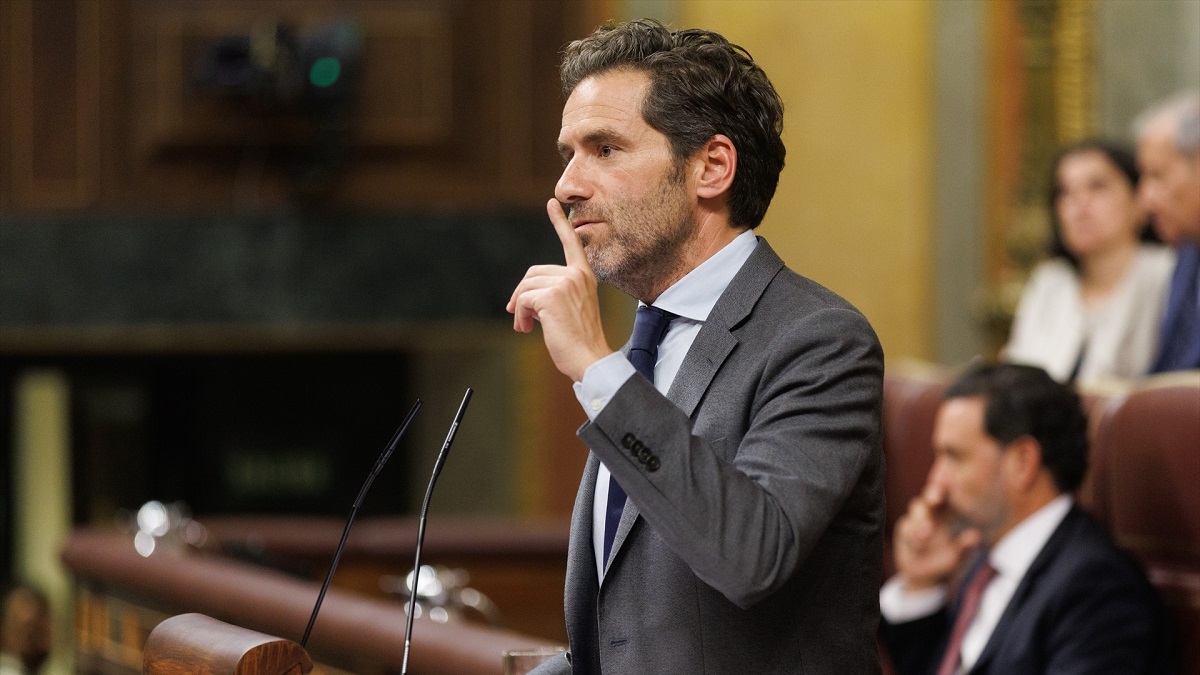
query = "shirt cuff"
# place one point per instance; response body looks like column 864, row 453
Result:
column 601, row 381
column 899, row 605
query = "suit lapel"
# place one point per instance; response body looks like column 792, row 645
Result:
column 708, row 353
column 629, row 517
column 1053, row 548
column 581, row 559
column 716, row 341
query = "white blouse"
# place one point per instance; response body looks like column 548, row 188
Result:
column 1120, row 335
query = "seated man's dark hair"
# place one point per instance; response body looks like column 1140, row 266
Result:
column 1025, row 401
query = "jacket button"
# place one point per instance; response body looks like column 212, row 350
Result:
column 652, row 464
column 628, row 440
column 644, row 455
column 636, row 448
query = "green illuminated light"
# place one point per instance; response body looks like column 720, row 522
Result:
column 325, row 71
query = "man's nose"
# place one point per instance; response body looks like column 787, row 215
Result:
column 936, row 483
column 572, row 185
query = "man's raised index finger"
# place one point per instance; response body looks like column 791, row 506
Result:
column 572, row 247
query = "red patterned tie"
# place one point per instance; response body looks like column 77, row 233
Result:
column 972, row 595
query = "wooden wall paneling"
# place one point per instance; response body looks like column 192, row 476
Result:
column 515, row 62
column 1006, row 99
column 444, row 117
column 6, row 40
column 570, row 21
column 442, row 170
column 404, row 86
column 113, row 124
column 54, row 88
column 459, row 105
column 471, row 170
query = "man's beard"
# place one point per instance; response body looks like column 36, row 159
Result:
column 645, row 240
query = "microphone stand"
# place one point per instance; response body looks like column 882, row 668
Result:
column 383, row 458
column 437, row 469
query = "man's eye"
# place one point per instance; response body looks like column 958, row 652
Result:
column 606, row 150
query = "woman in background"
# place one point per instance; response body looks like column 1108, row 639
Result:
column 1092, row 311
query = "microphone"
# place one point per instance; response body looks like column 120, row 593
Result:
column 337, row 555
column 437, row 469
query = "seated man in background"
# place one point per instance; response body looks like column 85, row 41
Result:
column 24, row 631
column 1043, row 588
column 1169, row 154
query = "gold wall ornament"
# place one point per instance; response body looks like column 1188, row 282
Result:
column 1055, row 77
column 1074, row 70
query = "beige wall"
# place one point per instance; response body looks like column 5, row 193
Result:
column 854, row 206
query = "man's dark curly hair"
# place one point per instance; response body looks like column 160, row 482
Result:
column 702, row 85
column 1025, row 401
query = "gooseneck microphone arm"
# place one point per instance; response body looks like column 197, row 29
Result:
column 383, row 458
column 437, row 469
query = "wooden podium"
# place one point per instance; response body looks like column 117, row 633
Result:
column 138, row 614
column 195, row 644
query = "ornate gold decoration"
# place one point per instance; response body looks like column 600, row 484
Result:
column 1057, row 74
column 1074, row 70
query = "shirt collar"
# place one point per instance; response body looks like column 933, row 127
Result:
column 1014, row 553
column 694, row 295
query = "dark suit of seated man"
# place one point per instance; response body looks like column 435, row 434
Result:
column 1042, row 588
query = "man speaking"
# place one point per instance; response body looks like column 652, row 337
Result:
column 729, row 518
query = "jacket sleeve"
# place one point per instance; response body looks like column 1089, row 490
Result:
column 916, row 647
column 744, row 513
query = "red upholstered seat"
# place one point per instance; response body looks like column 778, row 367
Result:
column 911, row 397
column 1146, row 466
column 1096, row 400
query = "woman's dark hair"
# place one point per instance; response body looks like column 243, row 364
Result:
column 1023, row 400
column 701, row 85
column 1117, row 154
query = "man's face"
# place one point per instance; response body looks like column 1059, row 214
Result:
column 1170, row 184
column 968, row 467
column 627, row 196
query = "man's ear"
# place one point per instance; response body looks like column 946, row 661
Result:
column 716, row 162
column 1025, row 457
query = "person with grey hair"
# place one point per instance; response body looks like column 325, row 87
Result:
column 729, row 518
column 1168, row 137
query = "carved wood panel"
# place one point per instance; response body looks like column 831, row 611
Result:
column 53, row 89
column 404, row 98
column 456, row 105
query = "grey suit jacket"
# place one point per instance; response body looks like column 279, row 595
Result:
column 751, row 541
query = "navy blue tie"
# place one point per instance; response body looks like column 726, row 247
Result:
column 648, row 330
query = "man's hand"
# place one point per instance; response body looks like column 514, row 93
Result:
column 926, row 548
column 564, row 300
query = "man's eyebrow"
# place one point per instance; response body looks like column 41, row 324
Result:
column 595, row 137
